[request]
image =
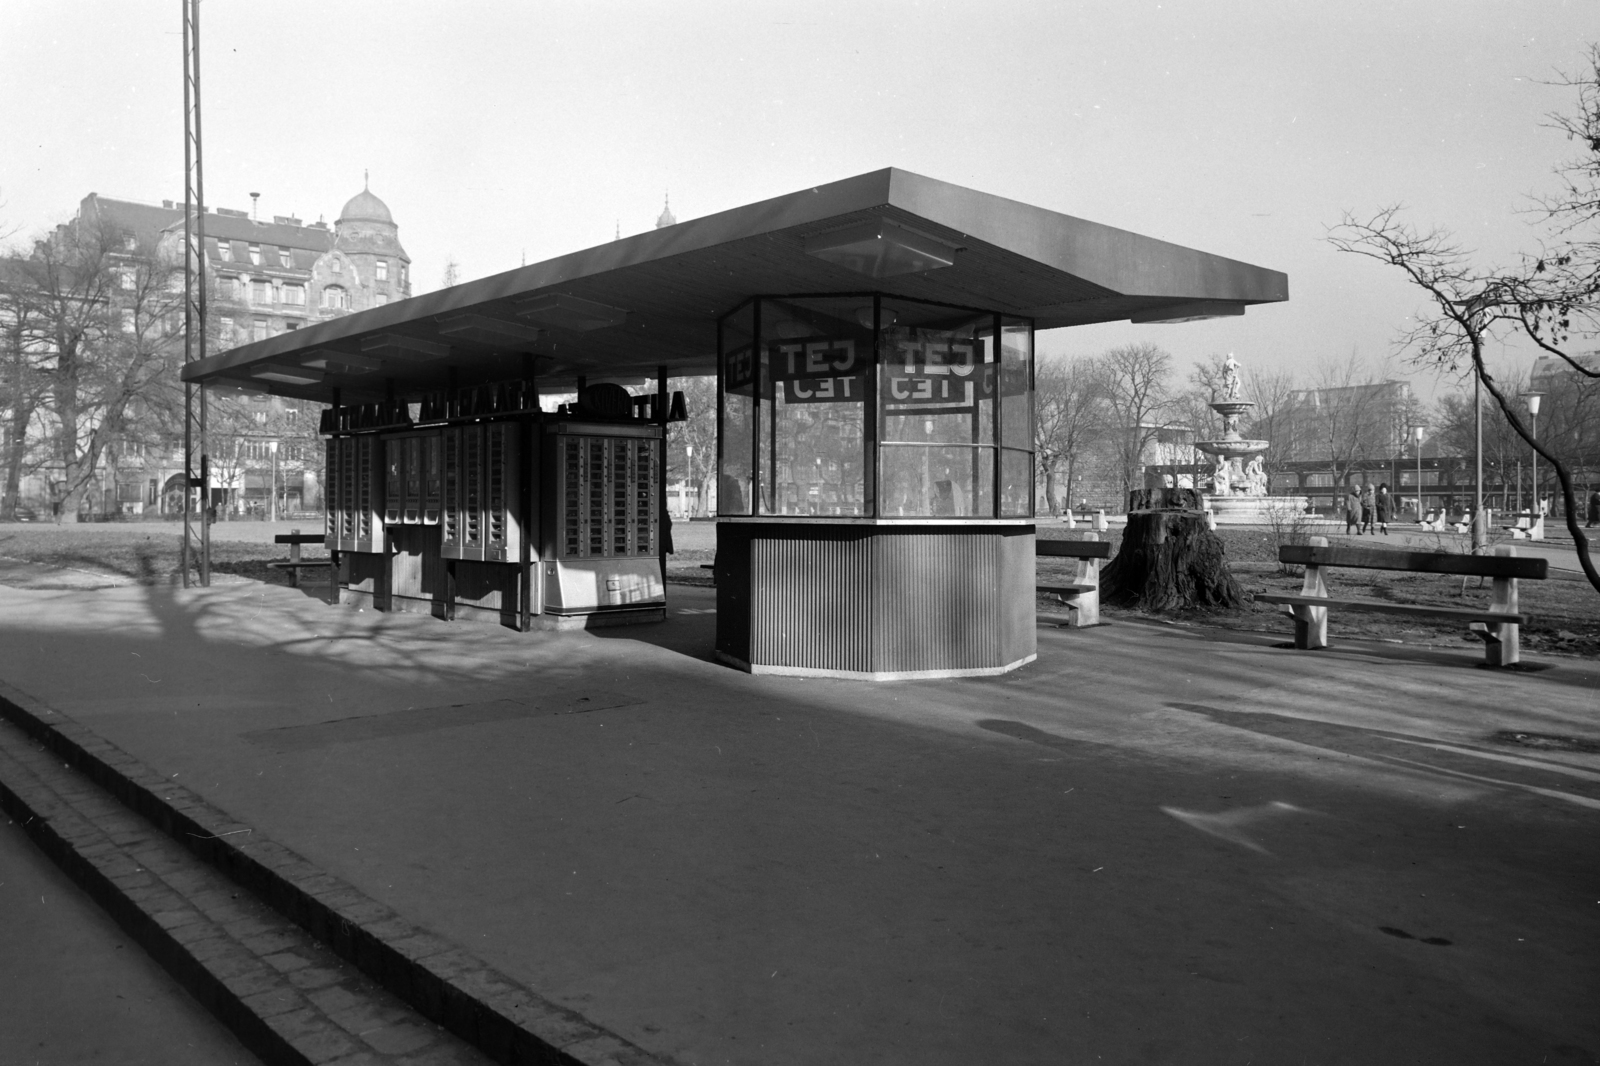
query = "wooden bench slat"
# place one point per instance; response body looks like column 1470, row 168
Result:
column 296, row 563
column 1070, row 589
column 1465, row 614
column 1074, row 549
column 1415, row 562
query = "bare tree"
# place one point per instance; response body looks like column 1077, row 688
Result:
column 692, row 445
column 452, row 273
column 1551, row 297
column 105, row 316
column 1468, row 307
column 1069, row 414
column 1352, row 412
column 1271, row 419
column 23, row 388
column 1134, row 382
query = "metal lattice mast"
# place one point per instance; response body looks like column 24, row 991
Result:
column 196, row 544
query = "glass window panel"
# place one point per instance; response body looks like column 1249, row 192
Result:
column 1016, row 383
column 736, row 479
column 936, row 481
column 936, row 404
column 1016, row 483
column 815, row 355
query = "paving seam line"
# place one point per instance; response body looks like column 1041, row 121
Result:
column 450, row 987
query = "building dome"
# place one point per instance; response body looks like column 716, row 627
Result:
column 667, row 217
column 365, row 207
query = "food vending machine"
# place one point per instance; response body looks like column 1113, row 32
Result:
column 602, row 517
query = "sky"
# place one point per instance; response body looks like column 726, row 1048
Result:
column 502, row 131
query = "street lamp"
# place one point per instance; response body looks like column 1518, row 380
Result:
column 272, row 446
column 1417, row 431
column 1533, row 409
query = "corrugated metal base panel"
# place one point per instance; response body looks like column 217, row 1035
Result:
column 875, row 603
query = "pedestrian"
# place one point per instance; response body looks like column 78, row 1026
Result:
column 1352, row 511
column 1369, row 504
column 1385, row 507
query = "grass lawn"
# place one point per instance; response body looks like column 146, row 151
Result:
column 1566, row 610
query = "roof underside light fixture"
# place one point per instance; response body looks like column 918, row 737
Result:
column 570, row 312
column 289, row 375
column 881, row 249
column 1188, row 311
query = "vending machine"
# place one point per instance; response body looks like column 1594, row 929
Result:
column 481, row 492
column 413, row 478
column 602, row 517
column 355, row 484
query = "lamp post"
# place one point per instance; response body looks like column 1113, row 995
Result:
column 272, row 446
column 1533, row 410
column 1417, row 431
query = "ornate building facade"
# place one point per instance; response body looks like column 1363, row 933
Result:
column 264, row 278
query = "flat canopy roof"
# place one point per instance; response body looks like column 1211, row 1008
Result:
column 625, row 308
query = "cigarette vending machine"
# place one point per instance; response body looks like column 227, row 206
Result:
column 481, row 498
column 354, row 492
column 602, row 517
column 414, row 478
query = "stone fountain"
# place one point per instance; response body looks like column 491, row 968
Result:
column 1239, row 488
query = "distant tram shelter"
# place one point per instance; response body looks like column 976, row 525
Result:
column 873, row 341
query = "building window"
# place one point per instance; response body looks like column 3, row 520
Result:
column 338, row 265
column 225, row 330
column 255, row 254
column 405, row 275
column 258, row 330
column 383, row 269
column 291, row 323
column 335, row 297
column 125, row 277
column 260, row 291
column 127, row 320
column 225, row 251
column 294, row 295
column 383, row 298
column 284, row 258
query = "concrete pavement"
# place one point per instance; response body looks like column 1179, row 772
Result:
column 1156, row 844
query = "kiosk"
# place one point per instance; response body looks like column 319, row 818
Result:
column 873, row 341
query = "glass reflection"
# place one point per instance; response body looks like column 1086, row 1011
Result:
column 936, row 400
column 815, row 356
column 736, row 434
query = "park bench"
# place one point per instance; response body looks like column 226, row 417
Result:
column 1499, row 624
column 1081, row 597
column 1527, row 524
column 295, row 564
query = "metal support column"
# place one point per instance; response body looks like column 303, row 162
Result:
column 196, row 544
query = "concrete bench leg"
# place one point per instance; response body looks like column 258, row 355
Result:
column 1502, row 641
column 1088, row 602
column 1311, row 623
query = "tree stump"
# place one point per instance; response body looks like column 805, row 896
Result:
column 1169, row 559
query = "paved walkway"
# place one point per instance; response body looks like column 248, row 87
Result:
column 1156, row 844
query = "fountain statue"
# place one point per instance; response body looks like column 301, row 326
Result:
column 1239, row 492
